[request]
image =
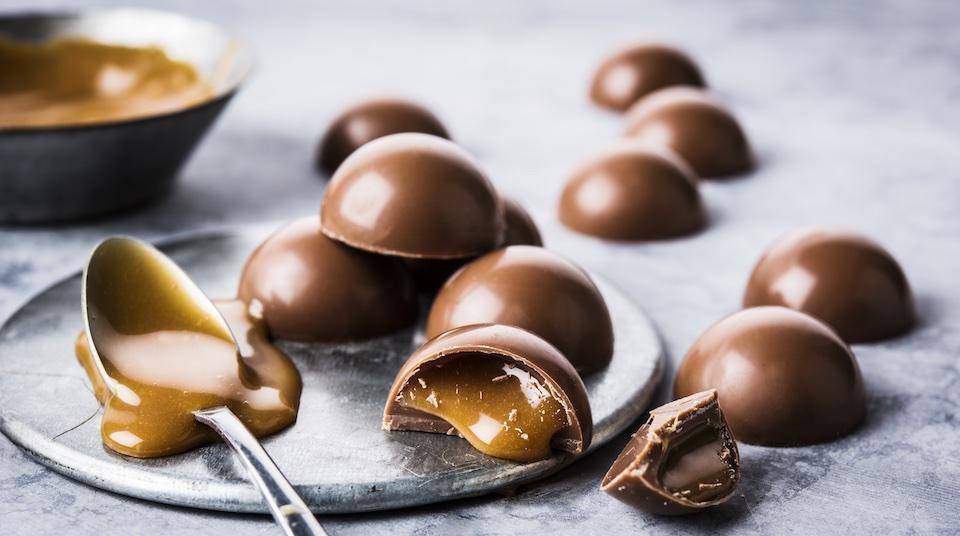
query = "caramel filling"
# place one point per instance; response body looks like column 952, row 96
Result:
column 501, row 409
column 75, row 81
column 162, row 376
column 696, row 466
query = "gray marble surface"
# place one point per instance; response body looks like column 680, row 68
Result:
column 853, row 109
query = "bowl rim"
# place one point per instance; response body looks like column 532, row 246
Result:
column 221, row 94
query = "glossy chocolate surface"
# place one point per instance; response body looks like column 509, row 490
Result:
column 633, row 192
column 77, row 82
column 311, row 288
column 682, row 460
column 535, row 289
column 413, row 195
column 527, row 362
column 157, row 350
column 696, row 126
column 369, row 120
column 842, row 278
column 430, row 274
column 635, row 71
column 784, row 378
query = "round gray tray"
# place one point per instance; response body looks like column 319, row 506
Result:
column 336, row 455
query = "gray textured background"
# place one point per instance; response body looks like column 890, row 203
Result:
column 853, row 109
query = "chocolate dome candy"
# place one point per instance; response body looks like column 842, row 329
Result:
column 368, row 121
column 413, row 195
column 842, row 278
column 633, row 72
column 429, row 274
column 521, row 229
column 784, row 378
column 308, row 287
column 697, row 127
column 682, row 460
column 632, row 192
column 508, row 392
column 537, row 290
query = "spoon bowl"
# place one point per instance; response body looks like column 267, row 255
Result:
column 135, row 297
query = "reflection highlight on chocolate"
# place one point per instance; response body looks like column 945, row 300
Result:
column 369, row 120
column 534, row 289
column 413, row 195
column 309, row 287
column 696, row 126
column 840, row 277
column 633, row 192
column 634, row 71
column 784, row 378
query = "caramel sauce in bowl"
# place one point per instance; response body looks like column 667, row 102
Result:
column 71, row 81
column 100, row 109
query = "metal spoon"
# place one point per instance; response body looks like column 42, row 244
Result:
column 107, row 291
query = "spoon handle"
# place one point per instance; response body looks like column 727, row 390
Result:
column 287, row 507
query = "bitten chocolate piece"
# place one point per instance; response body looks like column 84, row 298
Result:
column 784, row 378
column 308, row 287
column 682, row 460
column 537, row 290
column 508, row 392
column 635, row 71
column 369, row 120
column 697, row 127
column 413, row 195
column 842, row 278
column 430, row 274
column 633, row 192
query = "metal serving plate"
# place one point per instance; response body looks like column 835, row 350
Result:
column 336, row 454
column 56, row 173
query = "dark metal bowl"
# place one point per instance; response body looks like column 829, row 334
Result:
column 58, row 173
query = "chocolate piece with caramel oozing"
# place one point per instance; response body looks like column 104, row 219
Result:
column 413, row 195
column 521, row 231
column 701, row 130
column 508, row 392
column 368, row 121
column 682, row 460
column 633, row 192
column 784, row 378
column 842, row 278
column 157, row 379
column 633, row 72
column 537, row 290
column 311, row 288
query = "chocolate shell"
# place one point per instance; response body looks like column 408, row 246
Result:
column 635, row 71
column 683, row 459
column 369, row 120
column 430, row 274
column 537, row 290
column 842, row 278
column 697, row 127
column 413, row 195
column 308, row 287
column 522, row 348
column 633, row 192
column 784, row 378
column 521, row 229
